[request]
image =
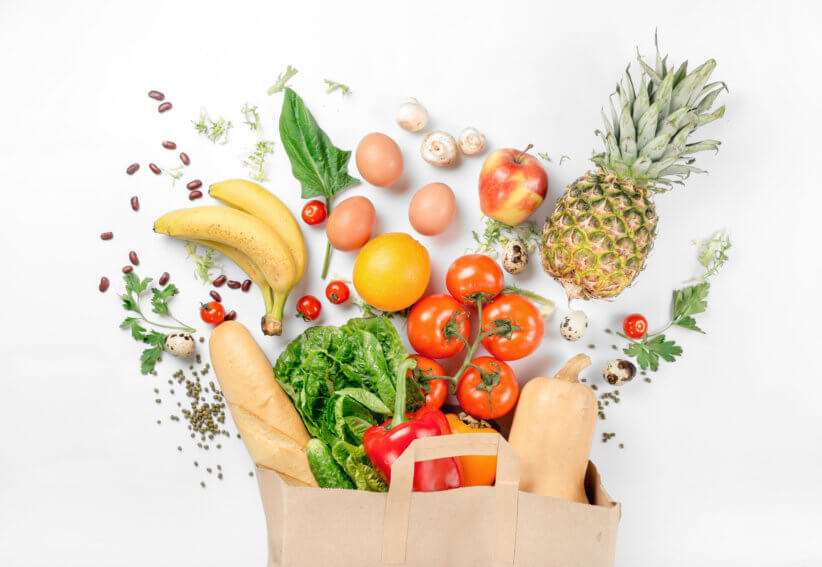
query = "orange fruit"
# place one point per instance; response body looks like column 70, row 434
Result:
column 391, row 271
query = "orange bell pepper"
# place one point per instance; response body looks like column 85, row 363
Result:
column 477, row 470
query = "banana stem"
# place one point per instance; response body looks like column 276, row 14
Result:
column 272, row 323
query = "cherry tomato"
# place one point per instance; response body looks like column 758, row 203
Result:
column 521, row 313
column 314, row 212
column 471, row 274
column 212, row 313
column 308, row 307
column 432, row 323
column 437, row 389
column 337, row 292
column 635, row 326
column 491, row 394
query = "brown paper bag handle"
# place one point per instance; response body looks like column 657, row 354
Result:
column 398, row 501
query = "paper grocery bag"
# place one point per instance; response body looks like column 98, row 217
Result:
column 474, row 526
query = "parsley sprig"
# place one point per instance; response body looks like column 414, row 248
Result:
column 686, row 303
column 136, row 290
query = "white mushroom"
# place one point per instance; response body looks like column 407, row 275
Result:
column 412, row 116
column 573, row 326
column 439, row 148
column 515, row 256
column 180, row 344
column 619, row 371
column 472, row 142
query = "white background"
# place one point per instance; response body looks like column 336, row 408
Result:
column 723, row 451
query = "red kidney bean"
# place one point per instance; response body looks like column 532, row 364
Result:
column 132, row 169
column 215, row 295
column 192, row 185
column 163, row 107
column 246, row 285
column 156, row 95
column 195, row 195
column 127, row 269
column 184, row 158
column 135, row 203
column 107, row 236
column 132, row 257
column 218, row 281
column 234, row 284
column 155, row 169
column 104, row 283
column 169, row 145
column 230, row 316
column 164, row 278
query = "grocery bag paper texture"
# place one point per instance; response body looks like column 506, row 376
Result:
column 467, row 527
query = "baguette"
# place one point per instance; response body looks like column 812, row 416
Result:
column 266, row 418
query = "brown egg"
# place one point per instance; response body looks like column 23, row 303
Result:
column 379, row 159
column 351, row 223
column 432, row 209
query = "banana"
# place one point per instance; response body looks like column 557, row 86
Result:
column 248, row 234
column 247, row 265
column 254, row 199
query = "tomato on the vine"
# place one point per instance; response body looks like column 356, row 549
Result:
column 314, row 212
column 523, row 315
column 635, row 326
column 474, row 274
column 337, row 292
column 491, row 391
column 434, row 324
column 308, row 307
column 212, row 312
column 437, row 389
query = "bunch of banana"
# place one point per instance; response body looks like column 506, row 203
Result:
column 257, row 231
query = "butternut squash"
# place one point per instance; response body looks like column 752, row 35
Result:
column 552, row 432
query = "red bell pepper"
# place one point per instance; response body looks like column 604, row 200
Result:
column 384, row 443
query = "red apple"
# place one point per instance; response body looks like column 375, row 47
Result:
column 512, row 185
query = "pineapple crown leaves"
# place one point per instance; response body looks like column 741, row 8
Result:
column 646, row 134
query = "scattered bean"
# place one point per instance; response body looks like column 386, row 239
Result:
column 230, row 316
column 195, row 195
column 104, row 283
column 164, row 278
column 156, row 95
column 246, row 285
column 107, row 236
column 163, row 107
column 132, row 257
column 135, row 203
column 169, row 145
column 218, row 281
column 155, row 169
column 132, row 169
column 195, row 184
column 127, row 269
column 215, row 295
column 184, row 158
column 234, row 284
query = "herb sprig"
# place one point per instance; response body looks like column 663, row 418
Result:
column 204, row 263
column 686, row 303
column 282, row 79
column 546, row 157
column 251, row 117
column 136, row 290
column 256, row 161
column 214, row 130
column 498, row 234
column 335, row 86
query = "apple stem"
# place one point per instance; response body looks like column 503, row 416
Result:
column 522, row 153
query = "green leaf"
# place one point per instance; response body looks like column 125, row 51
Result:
column 159, row 303
column 155, row 338
column 690, row 300
column 648, row 353
column 134, row 284
column 366, row 398
column 137, row 331
column 129, row 303
column 688, row 322
column 149, row 358
column 318, row 165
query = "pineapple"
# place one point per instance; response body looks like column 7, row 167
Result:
column 598, row 238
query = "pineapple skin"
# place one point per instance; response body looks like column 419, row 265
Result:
column 599, row 236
